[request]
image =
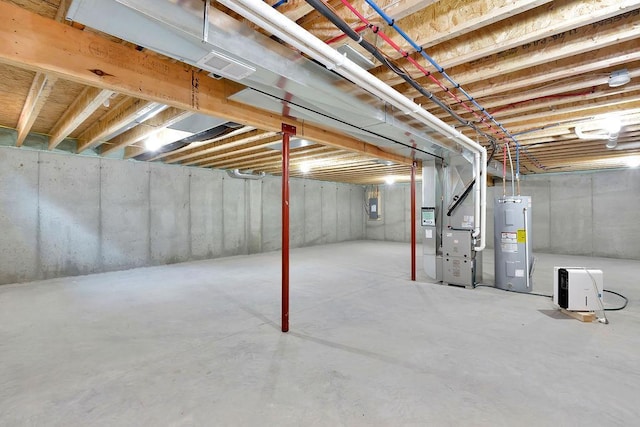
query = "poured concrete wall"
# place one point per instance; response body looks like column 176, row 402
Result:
column 394, row 223
column 63, row 215
column 591, row 214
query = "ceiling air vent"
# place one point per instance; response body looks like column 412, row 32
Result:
column 224, row 66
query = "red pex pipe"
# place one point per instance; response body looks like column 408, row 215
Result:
column 341, row 36
column 426, row 72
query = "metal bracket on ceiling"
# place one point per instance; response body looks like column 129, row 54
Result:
column 205, row 21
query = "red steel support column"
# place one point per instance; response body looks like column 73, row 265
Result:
column 413, row 221
column 287, row 131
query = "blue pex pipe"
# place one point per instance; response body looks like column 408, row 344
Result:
column 390, row 21
column 280, row 3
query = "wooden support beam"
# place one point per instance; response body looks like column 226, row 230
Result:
column 471, row 16
column 548, row 24
column 579, row 41
column 223, row 145
column 614, row 56
column 62, row 10
column 269, row 162
column 335, row 157
column 403, row 8
column 255, row 146
column 258, row 153
column 89, row 100
column 144, row 130
column 131, row 152
column 310, row 18
column 611, row 103
column 91, row 59
column 119, row 116
column 296, row 10
column 558, row 94
column 543, row 113
column 561, row 117
column 272, row 161
column 38, row 94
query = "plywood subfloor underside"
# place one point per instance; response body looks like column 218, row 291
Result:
column 199, row 344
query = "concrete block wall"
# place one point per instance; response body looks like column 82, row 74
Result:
column 64, row 215
column 591, row 214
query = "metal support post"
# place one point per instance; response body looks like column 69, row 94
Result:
column 287, row 131
column 413, row 221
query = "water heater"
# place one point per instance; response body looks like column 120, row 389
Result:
column 512, row 243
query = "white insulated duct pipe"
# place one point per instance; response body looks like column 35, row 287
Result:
column 627, row 146
column 263, row 15
column 235, row 173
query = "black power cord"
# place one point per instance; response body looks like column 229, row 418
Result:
column 515, row 292
column 626, row 300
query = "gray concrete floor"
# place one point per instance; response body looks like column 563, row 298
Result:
column 199, row 344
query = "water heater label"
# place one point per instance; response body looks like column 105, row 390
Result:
column 509, row 241
column 522, row 236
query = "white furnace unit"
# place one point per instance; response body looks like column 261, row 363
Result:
column 578, row 288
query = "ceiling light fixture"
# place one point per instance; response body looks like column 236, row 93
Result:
column 633, row 161
column 619, row 78
column 390, row 180
column 152, row 143
column 305, row 167
column 613, row 125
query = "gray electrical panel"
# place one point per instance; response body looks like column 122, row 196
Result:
column 512, row 243
column 373, row 208
column 461, row 264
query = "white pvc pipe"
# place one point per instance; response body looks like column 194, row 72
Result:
column 627, row 146
column 263, row 15
column 476, row 211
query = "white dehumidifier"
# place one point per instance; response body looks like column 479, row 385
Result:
column 577, row 288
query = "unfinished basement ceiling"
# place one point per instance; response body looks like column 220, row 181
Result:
column 541, row 68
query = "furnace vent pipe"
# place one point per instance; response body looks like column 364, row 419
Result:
column 235, row 173
column 627, row 146
column 279, row 25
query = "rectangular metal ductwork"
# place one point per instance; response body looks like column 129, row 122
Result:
column 273, row 71
column 224, row 66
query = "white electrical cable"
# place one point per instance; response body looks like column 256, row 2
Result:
column 602, row 319
column 513, row 185
column 279, row 25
